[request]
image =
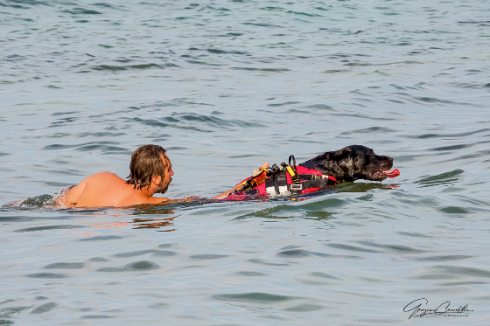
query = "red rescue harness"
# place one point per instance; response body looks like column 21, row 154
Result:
column 282, row 183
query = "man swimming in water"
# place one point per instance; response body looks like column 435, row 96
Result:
column 150, row 173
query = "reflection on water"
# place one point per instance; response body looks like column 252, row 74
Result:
column 153, row 223
column 364, row 187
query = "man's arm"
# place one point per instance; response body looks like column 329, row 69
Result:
column 160, row 200
column 168, row 201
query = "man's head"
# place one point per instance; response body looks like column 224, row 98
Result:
column 149, row 164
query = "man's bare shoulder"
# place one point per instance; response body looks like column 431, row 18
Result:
column 104, row 175
column 101, row 189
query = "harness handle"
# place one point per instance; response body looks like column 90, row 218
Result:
column 294, row 161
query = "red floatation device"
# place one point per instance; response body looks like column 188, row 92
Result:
column 289, row 180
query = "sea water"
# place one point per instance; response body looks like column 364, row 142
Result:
column 225, row 86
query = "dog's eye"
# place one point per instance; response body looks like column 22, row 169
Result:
column 365, row 162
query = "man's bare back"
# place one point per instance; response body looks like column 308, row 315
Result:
column 105, row 189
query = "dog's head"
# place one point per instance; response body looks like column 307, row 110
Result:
column 352, row 163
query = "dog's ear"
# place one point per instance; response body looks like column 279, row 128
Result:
column 343, row 153
column 349, row 169
column 346, row 161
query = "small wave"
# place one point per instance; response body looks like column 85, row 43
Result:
column 300, row 253
column 476, row 22
column 300, row 13
column 46, row 275
column 100, row 134
column 454, row 210
column 143, row 265
column 219, row 51
column 309, row 210
column 433, row 100
column 371, row 130
column 63, row 122
column 154, row 252
column 450, row 148
column 14, row 58
column 351, row 248
column 470, row 85
column 334, row 71
column 207, row 256
column 254, row 297
column 82, row 11
column 396, row 248
column 321, row 107
column 102, row 238
column 269, row 8
column 107, row 5
column 197, row 62
column 231, row 35
column 335, row 30
column 189, row 121
column 365, row 64
column 362, row 116
column 441, row 179
column 261, row 69
column 250, row 274
column 65, row 266
column 51, row 227
column 44, row 308
column 263, row 25
column 18, row 4
column 104, row 147
column 131, row 67
column 463, row 271
column 442, row 258
column 458, row 135
column 282, row 104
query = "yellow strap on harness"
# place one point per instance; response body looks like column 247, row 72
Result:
column 291, row 171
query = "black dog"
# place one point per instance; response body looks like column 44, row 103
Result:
column 346, row 165
column 352, row 163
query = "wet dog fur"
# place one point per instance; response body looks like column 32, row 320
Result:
column 351, row 163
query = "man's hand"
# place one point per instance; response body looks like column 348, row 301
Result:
column 168, row 201
column 189, row 199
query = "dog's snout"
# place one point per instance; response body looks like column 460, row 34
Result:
column 390, row 161
column 386, row 162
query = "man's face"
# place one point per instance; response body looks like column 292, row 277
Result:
column 163, row 186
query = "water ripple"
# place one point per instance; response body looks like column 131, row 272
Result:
column 44, row 308
column 254, row 297
column 65, row 266
column 450, row 177
column 143, row 265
